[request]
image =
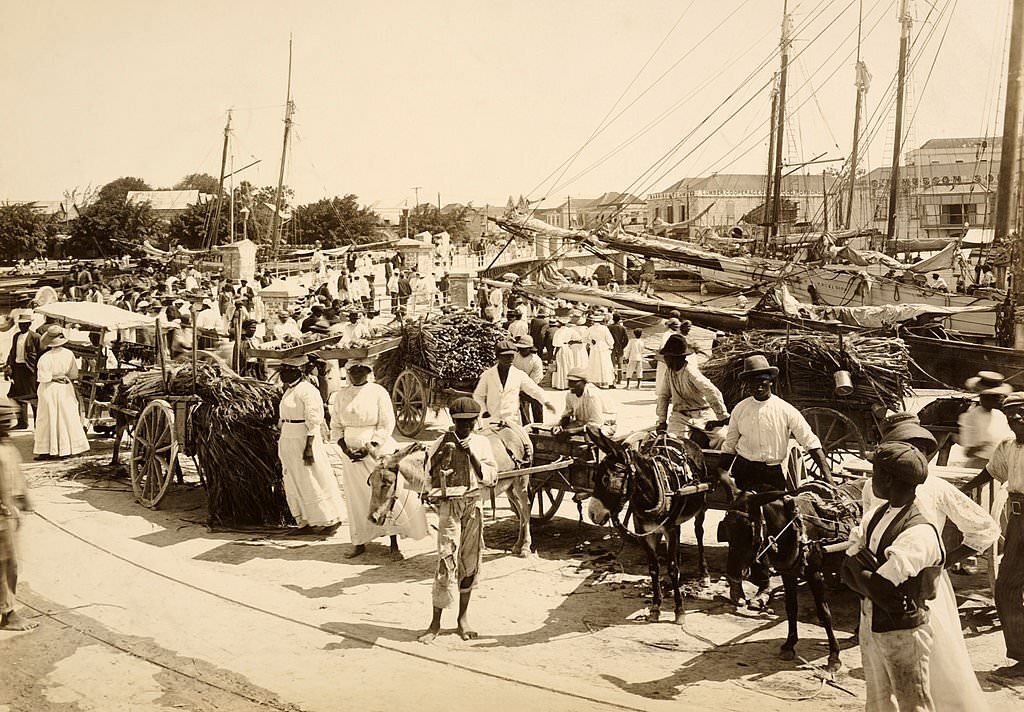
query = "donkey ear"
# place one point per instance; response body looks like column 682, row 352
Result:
column 759, row 499
column 606, row 444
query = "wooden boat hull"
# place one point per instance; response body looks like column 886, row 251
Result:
column 953, row 362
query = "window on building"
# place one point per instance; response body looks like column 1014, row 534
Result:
column 682, row 213
column 957, row 214
column 657, row 213
column 670, row 214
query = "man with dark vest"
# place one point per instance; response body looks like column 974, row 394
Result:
column 459, row 464
column 21, row 367
column 894, row 562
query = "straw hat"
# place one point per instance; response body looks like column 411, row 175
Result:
column 358, row 363
column 25, row 317
column 1014, row 400
column 53, row 337
column 989, row 383
column 577, row 374
column 524, row 342
column 757, row 365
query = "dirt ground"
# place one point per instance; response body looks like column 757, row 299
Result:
column 146, row 609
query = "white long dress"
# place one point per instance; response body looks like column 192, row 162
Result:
column 953, row 683
column 314, row 498
column 580, row 351
column 58, row 429
column 361, row 414
column 600, row 369
column 565, row 359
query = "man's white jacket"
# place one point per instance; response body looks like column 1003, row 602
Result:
column 502, row 402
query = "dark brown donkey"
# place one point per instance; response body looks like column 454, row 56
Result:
column 798, row 529
column 664, row 482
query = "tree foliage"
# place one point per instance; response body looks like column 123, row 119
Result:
column 426, row 217
column 108, row 228
column 203, row 182
column 116, row 191
column 335, row 222
column 23, row 231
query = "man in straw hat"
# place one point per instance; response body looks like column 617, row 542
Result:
column 952, row 676
column 984, row 425
column 1007, row 466
column 527, row 361
column 21, row 366
column 695, row 401
column 459, row 463
column 501, row 385
column 894, row 561
column 758, row 437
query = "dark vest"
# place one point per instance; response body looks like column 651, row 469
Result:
column 457, row 473
column 915, row 591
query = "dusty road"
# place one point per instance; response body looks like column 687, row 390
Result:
column 147, row 610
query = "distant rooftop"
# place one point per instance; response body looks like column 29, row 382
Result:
column 167, row 199
column 968, row 142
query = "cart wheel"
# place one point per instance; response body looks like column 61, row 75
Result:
column 154, row 453
column 544, row 501
column 840, row 438
column 409, row 394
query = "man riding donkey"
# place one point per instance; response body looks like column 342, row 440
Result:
column 460, row 463
column 758, row 439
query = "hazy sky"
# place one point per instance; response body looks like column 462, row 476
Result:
column 472, row 100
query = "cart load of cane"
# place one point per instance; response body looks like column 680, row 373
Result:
column 455, row 348
column 232, row 431
column 871, row 370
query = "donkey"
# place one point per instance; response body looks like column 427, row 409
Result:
column 797, row 525
column 410, row 464
column 650, row 478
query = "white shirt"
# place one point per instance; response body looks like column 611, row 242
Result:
column 1007, row 464
column 940, row 500
column 519, row 327
column 587, row 409
column 914, row 550
column 359, row 331
column 501, row 403
column 303, row 402
column 759, row 431
column 983, row 428
column 634, row 350
column 362, row 414
column 688, row 390
column 208, row 319
column 287, row 327
column 19, row 349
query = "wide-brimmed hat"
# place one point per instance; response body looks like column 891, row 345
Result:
column 1014, row 400
column 25, row 317
column 524, row 342
column 464, row 408
column 676, row 345
column 672, row 323
column 988, row 383
column 359, row 363
column 577, row 374
column 52, row 337
column 757, row 365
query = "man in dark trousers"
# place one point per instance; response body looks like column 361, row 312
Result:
column 539, row 332
column 621, row 336
column 21, row 367
column 404, row 289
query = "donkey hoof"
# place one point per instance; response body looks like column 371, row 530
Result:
column 787, row 654
column 834, row 664
column 654, row 615
column 680, row 618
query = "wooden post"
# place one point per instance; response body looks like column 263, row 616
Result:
column 195, row 348
column 160, row 353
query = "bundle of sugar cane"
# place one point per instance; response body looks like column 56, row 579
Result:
column 879, row 367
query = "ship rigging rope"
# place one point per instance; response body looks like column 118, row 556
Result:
column 746, row 80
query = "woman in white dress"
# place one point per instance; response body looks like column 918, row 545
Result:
column 58, row 429
column 362, row 423
column 600, row 370
column 310, row 486
column 565, row 358
column 579, row 342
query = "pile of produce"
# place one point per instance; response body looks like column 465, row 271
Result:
column 289, row 341
column 879, row 367
column 457, row 348
column 233, row 433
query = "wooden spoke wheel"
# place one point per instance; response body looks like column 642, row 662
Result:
column 840, row 438
column 411, row 399
column 154, row 453
column 544, row 501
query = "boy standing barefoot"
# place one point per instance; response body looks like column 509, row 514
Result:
column 458, row 464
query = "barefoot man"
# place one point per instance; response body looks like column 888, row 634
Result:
column 459, row 463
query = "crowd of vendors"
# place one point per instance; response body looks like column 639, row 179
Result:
column 897, row 560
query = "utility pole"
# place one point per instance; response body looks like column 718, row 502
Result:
column 1008, row 187
column 863, row 79
column 824, row 201
column 906, row 21
column 289, row 109
column 417, row 189
column 781, row 124
column 211, row 233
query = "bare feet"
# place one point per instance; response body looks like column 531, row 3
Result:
column 429, row 635
column 466, row 631
column 12, row 621
column 760, row 600
column 396, row 555
column 359, row 550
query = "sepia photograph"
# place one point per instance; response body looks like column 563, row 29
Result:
column 558, row 355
